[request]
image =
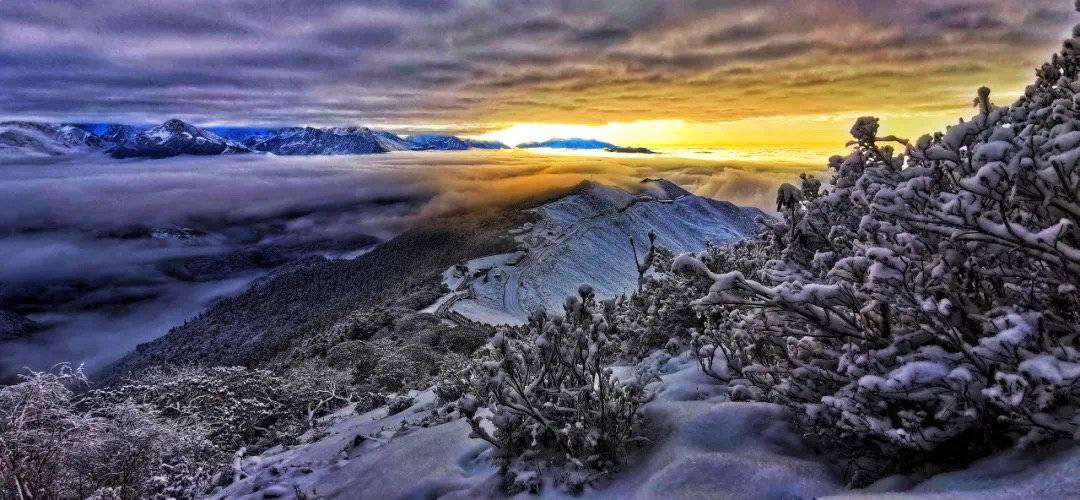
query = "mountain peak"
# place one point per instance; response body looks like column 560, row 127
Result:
column 174, row 123
column 662, row 189
column 175, row 137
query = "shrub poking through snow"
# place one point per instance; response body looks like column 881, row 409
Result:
column 922, row 307
column 399, row 404
column 544, row 391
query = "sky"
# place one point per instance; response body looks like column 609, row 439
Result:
column 645, row 73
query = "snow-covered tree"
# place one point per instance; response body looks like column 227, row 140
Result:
column 548, row 393
column 924, row 305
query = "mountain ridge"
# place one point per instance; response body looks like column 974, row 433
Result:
column 585, row 236
column 175, row 137
column 571, row 143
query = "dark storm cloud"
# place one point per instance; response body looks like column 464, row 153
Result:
column 325, row 62
column 360, row 37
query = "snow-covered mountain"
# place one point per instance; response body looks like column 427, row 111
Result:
column 437, row 142
column 173, row 138
column 574, row 143
column 475, row 144
column 328, row 141
column 114, row 133
column 584, row 237
column 356, row 140
column 120, row 134
column 19, row 138
column 241, row 134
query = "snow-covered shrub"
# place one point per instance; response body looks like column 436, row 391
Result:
column 655, row 315
column 923, row 307
column 399, row 404
column 452, row 388
column 367, row 324
column 318, row 388
column 37, row 425
column 547, row 393
column 53, row 446
column 131, row 451
column 240, row 407
column 389, row 366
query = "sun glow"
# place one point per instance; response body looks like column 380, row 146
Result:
column 824, row 132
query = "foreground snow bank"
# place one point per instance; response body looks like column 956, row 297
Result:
column 374, row 455
column 700, row 446
column 722, row 450
column 1019, row 475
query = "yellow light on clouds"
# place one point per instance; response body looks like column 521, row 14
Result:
column 817, row 131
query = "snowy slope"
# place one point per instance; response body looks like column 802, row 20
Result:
column 699, row 443
column 754, row 451
column 585, row 238
column 45, row 139
column 700, row 446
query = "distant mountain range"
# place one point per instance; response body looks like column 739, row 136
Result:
column 574, row 143
column 175, row 137
column 45, row 139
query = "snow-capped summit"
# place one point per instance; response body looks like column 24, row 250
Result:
column 439, row 142
column 116, row 133
column 19, row 138
column 328, row 141
column 663, row 189
column 355, row 140
column 172, row 138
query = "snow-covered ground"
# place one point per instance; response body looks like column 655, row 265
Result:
column 700, row 446
column 585, row 238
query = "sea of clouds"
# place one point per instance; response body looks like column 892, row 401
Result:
column 107, row 254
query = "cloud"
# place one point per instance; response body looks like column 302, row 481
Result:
column 111, row 253
column 481, row 64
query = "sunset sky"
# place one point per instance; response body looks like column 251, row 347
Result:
column 646, row 73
